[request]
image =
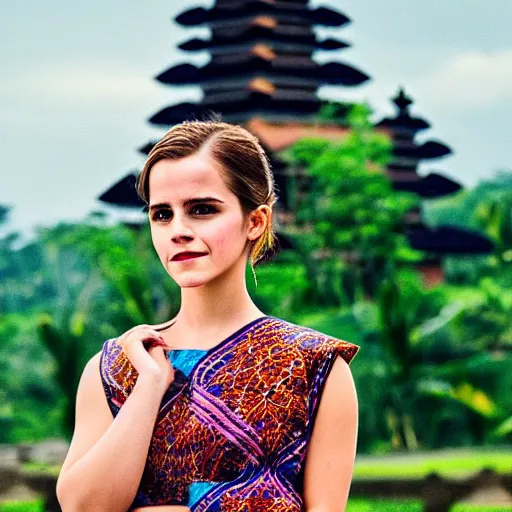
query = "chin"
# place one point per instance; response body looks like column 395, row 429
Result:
column 194, row 281
column 191, row 281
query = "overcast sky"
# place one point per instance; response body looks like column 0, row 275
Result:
column 78, row 87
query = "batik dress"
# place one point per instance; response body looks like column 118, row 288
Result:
column 234, row 426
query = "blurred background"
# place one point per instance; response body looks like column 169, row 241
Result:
column 388, row 128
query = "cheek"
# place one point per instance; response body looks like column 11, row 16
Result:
column 226, row 236
column 158, row 242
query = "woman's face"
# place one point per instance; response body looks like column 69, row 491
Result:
column 192, row 209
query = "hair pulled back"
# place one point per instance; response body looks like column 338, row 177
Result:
column 243, row 162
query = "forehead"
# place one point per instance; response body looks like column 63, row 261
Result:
column 192, row 176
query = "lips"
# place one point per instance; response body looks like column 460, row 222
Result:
column 187, row 256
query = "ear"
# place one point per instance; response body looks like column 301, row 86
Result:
column 258, row 220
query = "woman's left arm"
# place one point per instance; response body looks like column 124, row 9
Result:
column 332, row 448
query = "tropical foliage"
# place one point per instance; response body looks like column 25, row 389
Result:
column 435, row 366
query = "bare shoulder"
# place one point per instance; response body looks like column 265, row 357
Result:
column 93, row 364
column 92, row 414
column 340, row 389
column 90, row 381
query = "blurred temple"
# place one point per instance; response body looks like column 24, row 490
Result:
column 403, row 172
column 262, row 75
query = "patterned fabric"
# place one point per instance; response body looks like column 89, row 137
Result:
column 242, row 418
column 184, row 361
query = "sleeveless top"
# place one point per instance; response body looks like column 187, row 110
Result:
column 234, row 425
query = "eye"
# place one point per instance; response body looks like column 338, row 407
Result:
column 161, row 215
column 203, row 209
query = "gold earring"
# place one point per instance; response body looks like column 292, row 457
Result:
column 254, row 274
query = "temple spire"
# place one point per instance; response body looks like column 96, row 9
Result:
column 261, row 62
column 402, row 102
column 262, row 74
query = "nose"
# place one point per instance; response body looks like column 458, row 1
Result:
column 180, row 231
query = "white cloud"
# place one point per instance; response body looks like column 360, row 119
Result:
column 99, row 82
column 462, row 85
column 472, row 80
column 89, row 82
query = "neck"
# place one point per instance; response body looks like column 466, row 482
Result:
column 223, row 303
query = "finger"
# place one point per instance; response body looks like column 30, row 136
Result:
column 143, row 334
column 159, row 353
column 137, row 353
column 151, row 333
column 144, row 338
column 149, row 345
column 148, row 335
column 135, row 328
column 150, row 340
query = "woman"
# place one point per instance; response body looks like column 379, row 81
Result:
column 213, row 410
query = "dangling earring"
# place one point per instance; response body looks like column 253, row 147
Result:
column 254, row 274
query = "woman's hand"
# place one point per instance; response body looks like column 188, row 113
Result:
column 145, row 349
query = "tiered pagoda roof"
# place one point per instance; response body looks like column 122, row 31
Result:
column 261, row 62
column 228, row 13
column 260, row 65
column 261, row 73
column 284, row 38
column 407, row 155
column 404, row 128
column 124, row 193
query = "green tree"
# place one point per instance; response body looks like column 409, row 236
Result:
column 30, row 402
column 283, row 286
column 72, row 287
column 494, row 217
column 350, row 220
column 485, row 208
column 117, row 265
column 425, row 367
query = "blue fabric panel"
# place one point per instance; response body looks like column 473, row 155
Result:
column 185, row 360
column 197, row 490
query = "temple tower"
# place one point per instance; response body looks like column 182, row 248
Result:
column 261, row 74
column 261, row 62
column 408, row 154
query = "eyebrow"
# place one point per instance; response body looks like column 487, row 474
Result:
column 187, row 202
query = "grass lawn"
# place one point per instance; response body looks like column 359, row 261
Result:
column 479, row 508
column 357, row 505
column 451, row 463
column 22, row 506
column 362, row 505
column 354, row 505
column 35, row 466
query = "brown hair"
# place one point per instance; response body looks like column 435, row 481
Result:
column 244, row 166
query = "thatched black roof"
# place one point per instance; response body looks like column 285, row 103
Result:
column 292, row 13
column 247, row 65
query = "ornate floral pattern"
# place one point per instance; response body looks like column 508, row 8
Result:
column 242, row 418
